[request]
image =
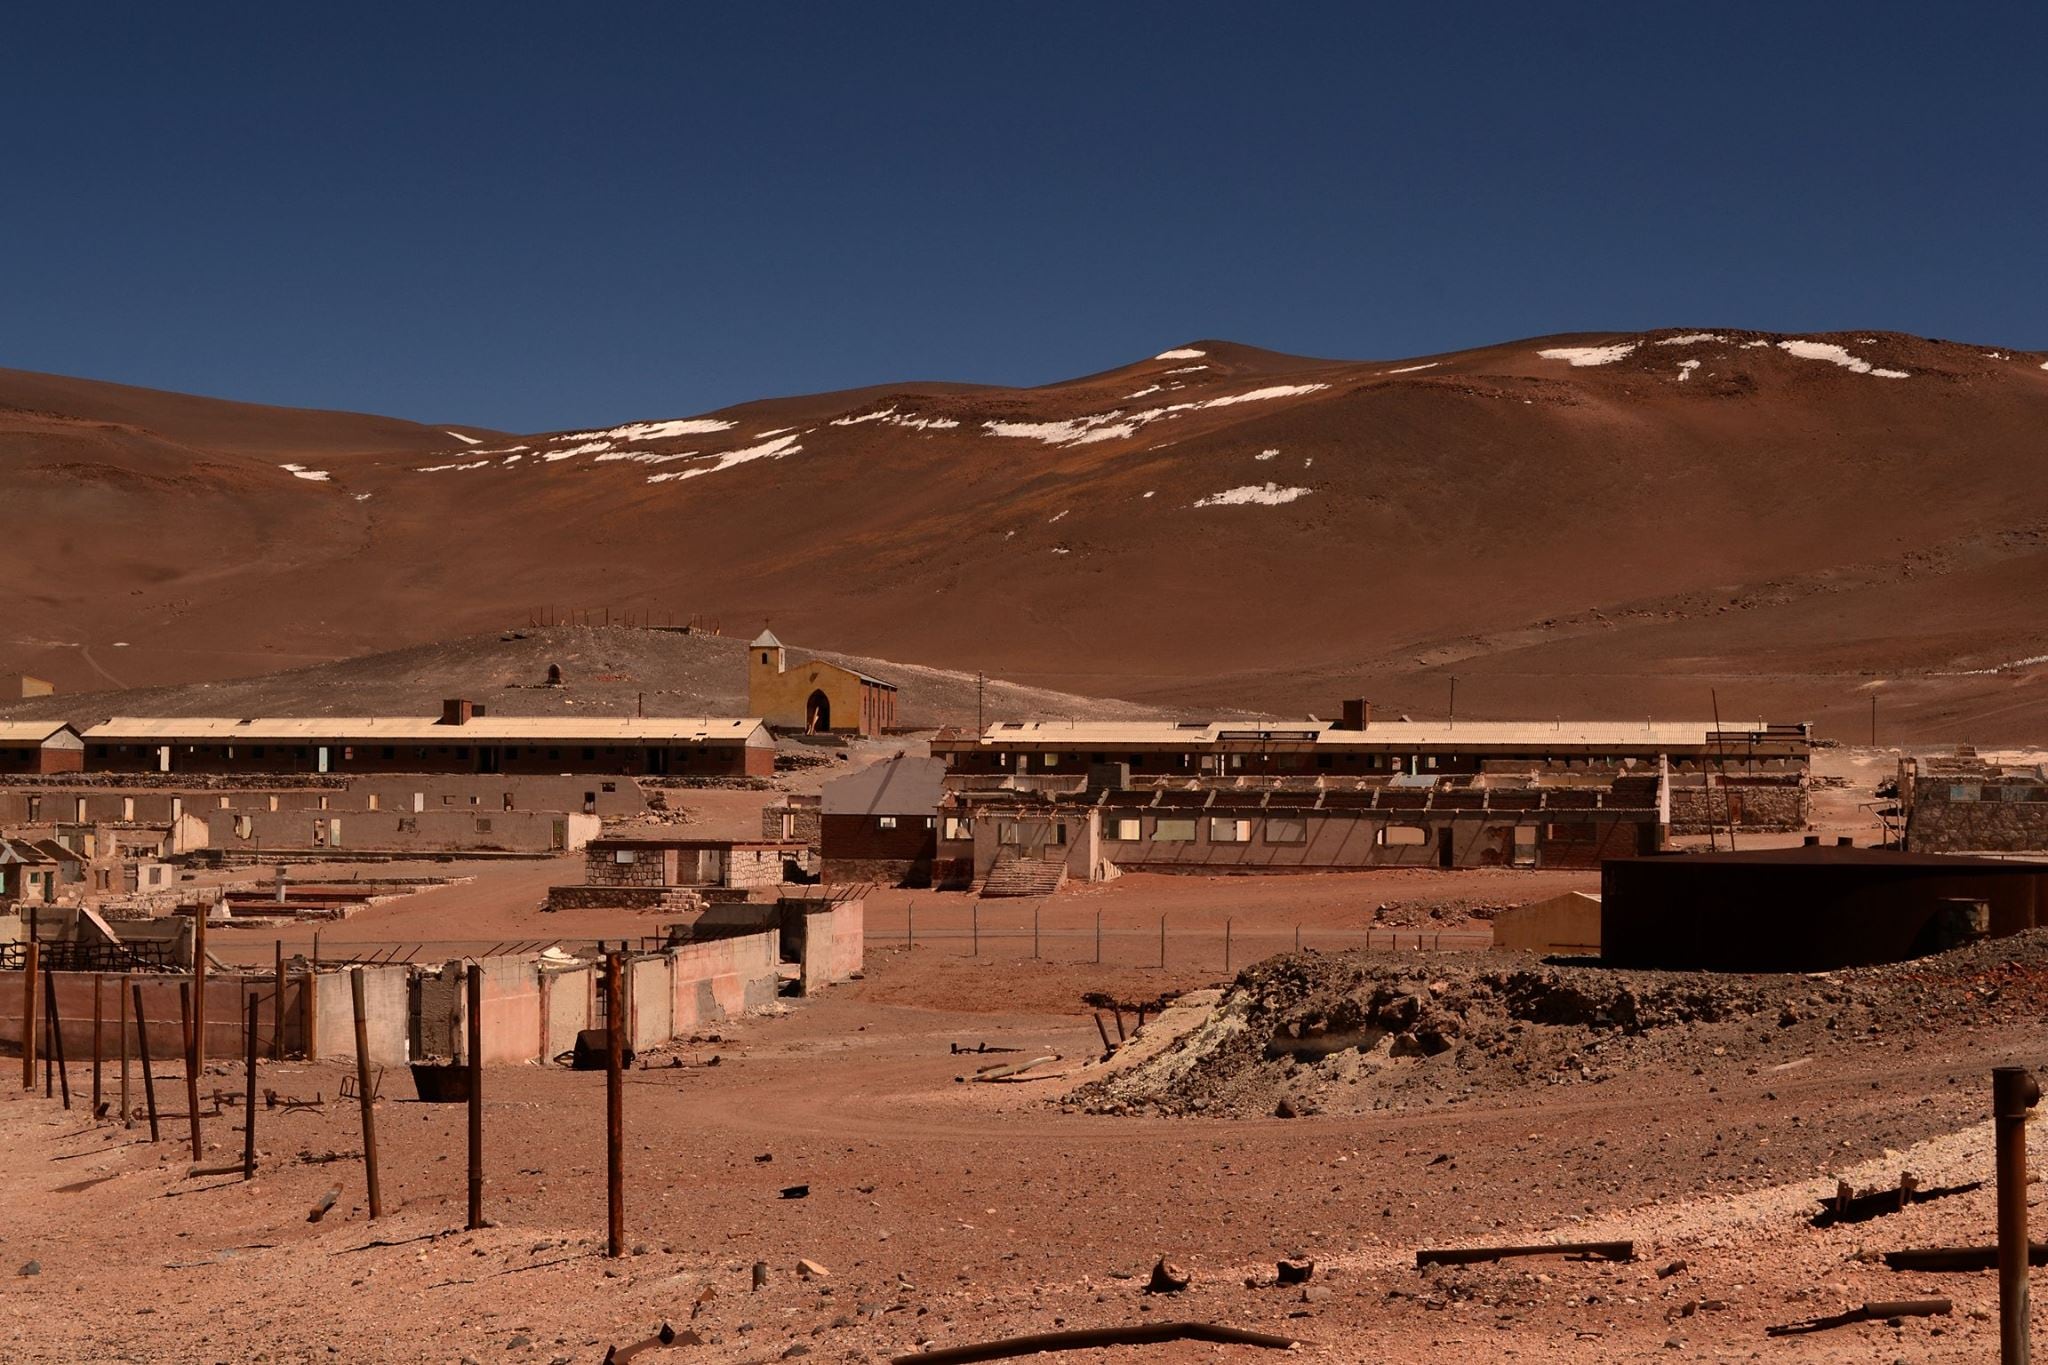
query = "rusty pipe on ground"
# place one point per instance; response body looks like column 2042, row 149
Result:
column 2013, row 1092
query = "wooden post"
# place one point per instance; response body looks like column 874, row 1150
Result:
column 277, row 1009
column 312, row 1004
column 476, row 1095
column 198, row 989
column 614, row 1110
column 121, row 1000
column 56, row 1037
column 355, row 985
column 142, row 1046
column 28, row 1016
column 253, row 1011
column 191, row 1063
column 98, row 1014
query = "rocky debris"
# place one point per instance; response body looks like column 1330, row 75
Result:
column 1311, row 1032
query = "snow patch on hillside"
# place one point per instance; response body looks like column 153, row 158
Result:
column 1582, row 356
column 1117, row 424
column 1260, row 395
column 587, row 448
column 438, row 468
column 1183, row 353
column 466, row 440
column 1685, row 369
column 299, row 471
column 653, row 431
column 1149, row 388
column 766, row 450
column 1835, row 355
column 1253, row 494
column 1411, row 369
column 1690, row 339
column 646, row 456
column 1265, row 454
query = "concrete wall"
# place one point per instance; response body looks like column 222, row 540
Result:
column 835, row 941
column 159, row 802
column 1567, row 924
column 380, row 831
column 530, row 1012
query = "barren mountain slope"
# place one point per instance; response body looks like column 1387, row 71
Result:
column 606, row 671
column 1611, row 524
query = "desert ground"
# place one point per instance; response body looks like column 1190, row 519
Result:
column 941, row 1212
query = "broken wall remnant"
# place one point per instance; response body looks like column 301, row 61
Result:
column 1968, row 804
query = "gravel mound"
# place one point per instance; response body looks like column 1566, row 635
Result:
column 1310, row 1032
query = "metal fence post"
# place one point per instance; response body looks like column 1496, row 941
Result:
column 2013, row 1092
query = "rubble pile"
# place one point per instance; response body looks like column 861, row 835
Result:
column 1309, row 1032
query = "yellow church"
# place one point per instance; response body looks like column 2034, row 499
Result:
column 815, row 697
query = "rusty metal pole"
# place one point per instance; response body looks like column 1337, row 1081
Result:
column 476, row 1095
column 254, row 1012
column 28, row 1015
column 191, row 1063
column 98, row 1016
column 355, row 985
column 2013, row 1092
column 56, row 1036
column 614, row 1109
column 121, row 1014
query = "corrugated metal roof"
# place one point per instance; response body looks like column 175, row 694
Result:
column 28, row 731
column 1382, row 734
column 422, row 729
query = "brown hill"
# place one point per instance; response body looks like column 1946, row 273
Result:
column 606, row 671
column 1610, row 524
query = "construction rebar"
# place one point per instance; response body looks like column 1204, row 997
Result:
column 476, row 1095
column 142, row 1046
column 2013, row 1092
column 614, row 1109
column 253, row 1010
column 363, row 1091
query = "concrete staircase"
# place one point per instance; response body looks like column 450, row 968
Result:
column 1015, row 876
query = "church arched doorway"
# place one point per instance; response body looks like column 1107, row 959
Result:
column 817, row 714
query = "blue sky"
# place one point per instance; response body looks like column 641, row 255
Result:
column 545, row 216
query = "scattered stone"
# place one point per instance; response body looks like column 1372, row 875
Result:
column 1167, row 1278
column 811, row 1270
column 33, row 1267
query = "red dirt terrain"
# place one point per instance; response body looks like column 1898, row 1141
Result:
column 1598, row 524
column 946, row 1213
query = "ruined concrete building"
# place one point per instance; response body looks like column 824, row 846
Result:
column 1967, row 803
column 464, row 739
